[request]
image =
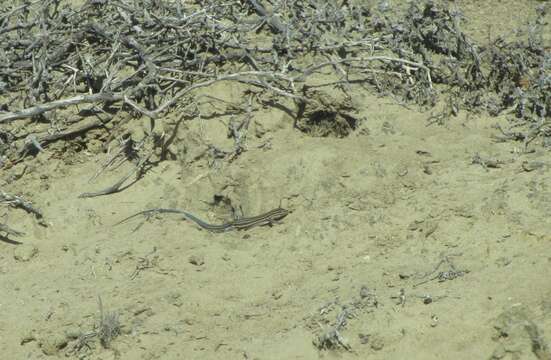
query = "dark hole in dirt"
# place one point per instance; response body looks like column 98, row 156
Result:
column 328, row 124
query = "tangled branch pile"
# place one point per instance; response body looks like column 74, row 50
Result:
column 146, row 58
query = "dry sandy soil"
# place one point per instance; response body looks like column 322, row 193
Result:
column 420, row 252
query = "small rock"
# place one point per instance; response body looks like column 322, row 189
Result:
column 17, row 172
column 52, row 344
column 25, row 252
column 365, row 292
column 175, row 298
column 533, row 165
column 27, row 338
column 276, row 294
column 503, row 261
column 94, row 146
column 405, row 274
column 73, row 333
column 196, row 260
column 377, row 342
column 364, row 338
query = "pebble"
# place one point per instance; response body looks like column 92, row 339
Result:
column 196, row 260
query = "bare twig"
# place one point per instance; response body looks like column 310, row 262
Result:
column 19, row 202
column 117, row 186
column 6, row 229
column 40, row 109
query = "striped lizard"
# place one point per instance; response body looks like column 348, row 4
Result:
column 268, row 218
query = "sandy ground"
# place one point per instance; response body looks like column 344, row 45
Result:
column 423, row 253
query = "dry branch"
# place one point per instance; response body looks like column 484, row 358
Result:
column 137, row 169
column 149, row 56
column 40, row 109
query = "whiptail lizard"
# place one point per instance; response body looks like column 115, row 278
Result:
column 268, row 218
